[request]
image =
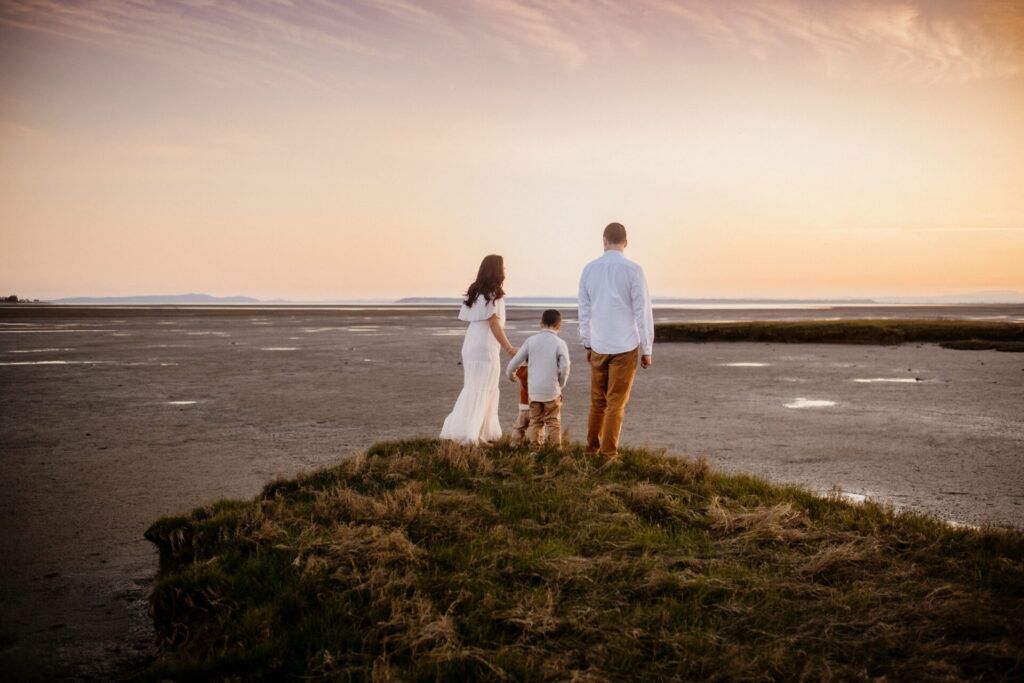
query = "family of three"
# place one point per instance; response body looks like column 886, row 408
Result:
column 616, row 328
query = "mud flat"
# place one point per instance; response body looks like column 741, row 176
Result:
column 114, row 417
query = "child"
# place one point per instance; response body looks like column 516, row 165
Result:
column 523, row 418
column 547, row 357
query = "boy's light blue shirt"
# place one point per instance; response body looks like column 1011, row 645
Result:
column 547, row 356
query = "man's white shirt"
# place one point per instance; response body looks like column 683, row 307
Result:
column 615, row 313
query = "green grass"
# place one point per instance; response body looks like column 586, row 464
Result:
column 426, row 561
column 959, row 334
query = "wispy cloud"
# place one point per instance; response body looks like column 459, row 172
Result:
column 914, row 40
column 260, row 36
column 927, row 41
column 13, row 129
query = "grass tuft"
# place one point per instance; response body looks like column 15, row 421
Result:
column 422, row 560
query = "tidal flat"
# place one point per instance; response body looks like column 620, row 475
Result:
column 114, row 417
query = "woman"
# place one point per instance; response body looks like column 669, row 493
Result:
column 475, row 415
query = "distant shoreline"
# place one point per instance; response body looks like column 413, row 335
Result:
column 527, row 310
column 192, row 299
column 664, row 304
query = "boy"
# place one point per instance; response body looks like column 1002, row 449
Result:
column 547, row 357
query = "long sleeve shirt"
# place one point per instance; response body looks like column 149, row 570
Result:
column 547, row 358
column 615, row 313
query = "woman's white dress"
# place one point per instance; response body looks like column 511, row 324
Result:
column 475, row 415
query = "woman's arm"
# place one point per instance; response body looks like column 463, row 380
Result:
column 499, row 333
column 518, row 359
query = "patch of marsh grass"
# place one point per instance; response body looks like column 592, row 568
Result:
column 954, row 334
column 422, row 560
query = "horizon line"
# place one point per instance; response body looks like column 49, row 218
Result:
column 977, row 296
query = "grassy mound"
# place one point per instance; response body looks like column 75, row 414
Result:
column 985, row 335
column 422, row 560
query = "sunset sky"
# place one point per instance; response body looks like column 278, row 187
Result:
column 309, row 149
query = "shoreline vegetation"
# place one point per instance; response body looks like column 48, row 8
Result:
column 424, row 560
column 967, row 335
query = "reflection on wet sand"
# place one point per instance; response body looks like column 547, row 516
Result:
column 810, row 403
column 896, row 380
column 59, row 362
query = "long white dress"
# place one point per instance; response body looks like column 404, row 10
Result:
column 475, row 415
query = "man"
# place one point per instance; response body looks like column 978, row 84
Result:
column 616, row 323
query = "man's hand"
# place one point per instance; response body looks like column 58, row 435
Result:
column 512, row 351
column 645, row 361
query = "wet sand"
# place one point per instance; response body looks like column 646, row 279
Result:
column 156, row 410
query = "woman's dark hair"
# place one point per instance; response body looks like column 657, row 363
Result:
column 488, row 281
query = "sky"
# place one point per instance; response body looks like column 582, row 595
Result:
column 308, row 149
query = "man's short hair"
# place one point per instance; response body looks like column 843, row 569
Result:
column 615, row 233
column 550, row 318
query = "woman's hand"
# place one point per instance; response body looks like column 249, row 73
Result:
column 498, row 330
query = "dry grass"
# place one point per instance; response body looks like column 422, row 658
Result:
column 423, row 560
column 955, row 334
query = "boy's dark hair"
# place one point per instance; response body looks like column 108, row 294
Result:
column 550, row 318
column 615, row 233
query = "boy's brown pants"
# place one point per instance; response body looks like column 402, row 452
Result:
column 545, row 417
column 611, row 380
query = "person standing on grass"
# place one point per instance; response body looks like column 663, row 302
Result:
column 474, row 419
column 547, row 357
column 616, row 326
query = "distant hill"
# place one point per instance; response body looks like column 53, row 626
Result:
column 535, row 300
column 669, row 300
column 446, row 300
column 983, row 297
column 159, row 299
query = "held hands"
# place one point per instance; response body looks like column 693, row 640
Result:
column 646, row 361
column 511, row 351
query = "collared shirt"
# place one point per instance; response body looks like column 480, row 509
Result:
column 547, row 357
column 615, row 309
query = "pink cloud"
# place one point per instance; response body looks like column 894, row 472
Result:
column 895, row 39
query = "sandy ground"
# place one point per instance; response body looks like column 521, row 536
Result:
column 94, row 450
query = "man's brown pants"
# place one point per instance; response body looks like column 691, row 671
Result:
column 611, row 380
column 545, row 416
